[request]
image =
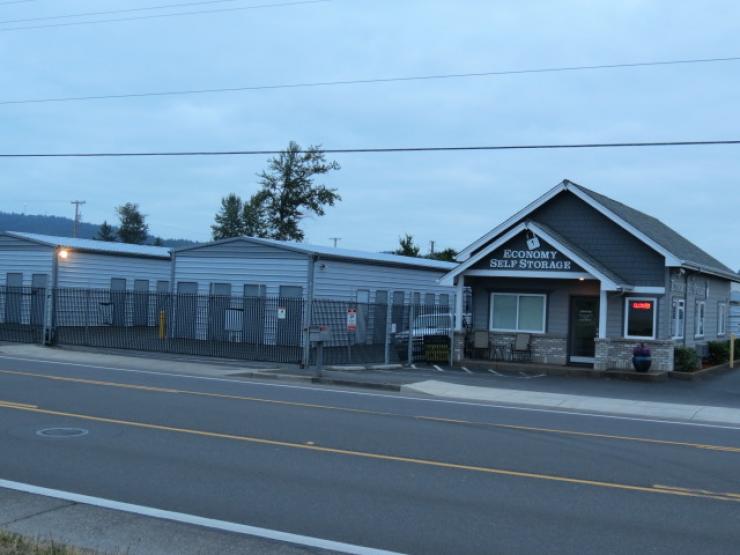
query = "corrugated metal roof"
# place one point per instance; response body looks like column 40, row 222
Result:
column 91, row 245
column 347, row 254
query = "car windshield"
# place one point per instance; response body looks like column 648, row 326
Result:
column 432, row 321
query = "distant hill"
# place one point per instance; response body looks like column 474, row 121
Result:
column 57, row 225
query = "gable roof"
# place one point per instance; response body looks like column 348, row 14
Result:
column 91, row 245
column 677, row 250
column 323, row 251
column 670, row 239
column 610, row 280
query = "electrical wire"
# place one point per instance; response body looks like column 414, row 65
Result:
column 159, row 16
column 373, row 150
column 312, row 84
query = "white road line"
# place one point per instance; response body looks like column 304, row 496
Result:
column 420, row 399
column 495, row 373
column 185, row 518
column 437, row 368
column 414, row 367
column 468, row 371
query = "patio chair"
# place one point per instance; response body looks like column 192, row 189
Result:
column 521, row 350
column 481, row 342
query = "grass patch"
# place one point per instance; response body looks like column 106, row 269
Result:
column 13, row 544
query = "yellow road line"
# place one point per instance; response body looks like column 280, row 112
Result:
column 664, row 490
column 155, row 389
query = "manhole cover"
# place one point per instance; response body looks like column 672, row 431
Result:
column 61, row 432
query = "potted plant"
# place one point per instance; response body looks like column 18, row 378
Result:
column 641, row 358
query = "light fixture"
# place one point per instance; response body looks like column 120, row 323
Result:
column 64, row 253
column 581, row 279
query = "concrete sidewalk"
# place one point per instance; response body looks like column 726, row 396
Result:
column 114, row 532
column 563, row 401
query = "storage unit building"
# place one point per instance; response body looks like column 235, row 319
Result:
column 579, row 278
column 259, row 290
column 31, row 265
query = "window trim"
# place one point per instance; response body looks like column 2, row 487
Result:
column 721, row 319
column 627, row 301
column 543, row 296
column 703, row 304
column 680, row 334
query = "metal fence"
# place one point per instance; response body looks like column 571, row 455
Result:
column 272, row 329
column 22, row 314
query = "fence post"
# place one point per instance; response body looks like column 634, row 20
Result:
column 452, row 333
column 732, row 350
column 87, row 317
column 410, row 346
column 388, row 331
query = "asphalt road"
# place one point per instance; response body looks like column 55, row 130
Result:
column 380, row 470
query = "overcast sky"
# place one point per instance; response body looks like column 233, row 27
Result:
column 451, row 198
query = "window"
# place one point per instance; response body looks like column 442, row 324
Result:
column 678, row 317
column 429, row 299
column 639, row 318
column 518, row 312
column 699, row 318
column 444, row 299
column 722, row 319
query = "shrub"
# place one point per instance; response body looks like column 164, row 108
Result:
column 719, row 352
column 685, row 359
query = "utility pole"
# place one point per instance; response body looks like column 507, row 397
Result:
column 336, row 240
column 431, row 247
column 76, row 224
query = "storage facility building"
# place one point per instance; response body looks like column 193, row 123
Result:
column 31, row 265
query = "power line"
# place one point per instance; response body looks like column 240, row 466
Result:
column 431, row 77
column 372, row 150
column 159, row 16
column 15, row 2
column 111, row 12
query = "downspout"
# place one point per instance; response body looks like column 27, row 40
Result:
column 310, row 280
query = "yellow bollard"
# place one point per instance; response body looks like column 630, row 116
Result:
column 162, row 320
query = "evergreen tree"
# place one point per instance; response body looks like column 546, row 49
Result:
column 253, row 216
column 290, row 193
column 447, row 255
column 106, row 232
column 158, row 242
column 406, row 246
column 133, row 228
column 229, row 221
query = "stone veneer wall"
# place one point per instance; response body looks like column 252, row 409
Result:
column 616, row 353
column 546, row 349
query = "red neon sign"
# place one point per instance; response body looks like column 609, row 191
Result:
column 642, row 305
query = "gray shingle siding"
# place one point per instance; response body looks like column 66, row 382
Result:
column 719, row 293
column 602, row 239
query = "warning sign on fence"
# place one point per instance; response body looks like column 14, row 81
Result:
column 282, row 313
column 351, row 319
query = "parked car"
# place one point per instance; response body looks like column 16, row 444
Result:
column 424, row 325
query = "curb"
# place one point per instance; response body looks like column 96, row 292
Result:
column 699, row 374
column 361, row 367
column 322, row 380
column 573, row 372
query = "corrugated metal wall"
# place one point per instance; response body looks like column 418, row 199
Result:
column 17, row 256
column 240, row 264
column 95, row 271
column 341, row 280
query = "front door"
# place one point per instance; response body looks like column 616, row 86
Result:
column 584, row 325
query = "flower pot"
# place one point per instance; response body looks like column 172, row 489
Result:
column 642, row 363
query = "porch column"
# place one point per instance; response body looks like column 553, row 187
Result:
column 602, row 313
column 459, row 302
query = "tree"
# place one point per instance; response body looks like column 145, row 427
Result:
column 290, row 193
column 133, row 228
column 106, row 232
column 406, row 246
column 448, row 255
column 229, row 221
column 254, row 221
column 158, row 242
